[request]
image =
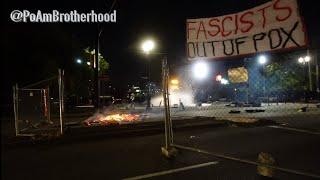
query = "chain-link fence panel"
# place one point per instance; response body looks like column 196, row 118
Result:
column 38, row 108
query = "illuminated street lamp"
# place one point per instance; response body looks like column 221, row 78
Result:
column 303, row 61
column 88, row 63
column 218, row 77
column 224, row 81
column 174, row 84
column 200, row 70
column 175, row 81
column 147, row 46
column 79, row 61
column 307, row 59
column 263, row 60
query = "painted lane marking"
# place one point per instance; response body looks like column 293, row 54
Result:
column 161, row 173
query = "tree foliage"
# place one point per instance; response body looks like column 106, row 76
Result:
column 103, row 64
column 285, row 77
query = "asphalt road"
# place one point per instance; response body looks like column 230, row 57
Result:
column 140, row 156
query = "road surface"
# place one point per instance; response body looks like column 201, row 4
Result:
column 139, row 156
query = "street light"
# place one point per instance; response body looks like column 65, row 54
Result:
column 79, row 61
column 307, row 59
column 88, row 63
column 303, row 61
column 200, row 70
column 147, row 46
column 218, row 77
column 224, row 81
column 263, row 60
column 174, row 84
column 175, row 81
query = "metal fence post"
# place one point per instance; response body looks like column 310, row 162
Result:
column 168, row 150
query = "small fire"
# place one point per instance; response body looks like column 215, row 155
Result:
column 113, row 119
column 121, row 117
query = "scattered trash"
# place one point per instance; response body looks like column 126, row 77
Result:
column 234, row 111
column 265, row 158
column 254, row 110
column 303, row 109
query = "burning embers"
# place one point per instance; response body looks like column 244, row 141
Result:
column 111, row 119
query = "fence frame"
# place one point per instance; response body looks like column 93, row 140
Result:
column 16, row 90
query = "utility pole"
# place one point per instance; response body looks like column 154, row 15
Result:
column 309, row 72
column 96, row 71
column 317, row 72
column 149, row 86
column 246, row 65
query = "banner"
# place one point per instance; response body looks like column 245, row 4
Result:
column 271, row 26
column 238, row 75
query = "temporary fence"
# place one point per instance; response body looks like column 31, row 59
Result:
column 38, row 107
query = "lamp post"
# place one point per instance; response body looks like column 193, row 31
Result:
column 79, row 61
column 200, row 70
column 315, row 57
column 263, row 60
column 147, row 46
column 306, row 60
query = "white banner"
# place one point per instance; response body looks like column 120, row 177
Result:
column 271, row 26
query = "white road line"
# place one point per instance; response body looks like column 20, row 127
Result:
column 172, row 171
column 297, row 130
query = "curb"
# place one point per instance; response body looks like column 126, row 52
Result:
column 78, row 134
column 75, row 134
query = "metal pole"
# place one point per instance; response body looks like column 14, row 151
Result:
column 96, row 71
column 264, row 80
column 309, row 72
column 317, row 73
column 48, row 109
column 148, row 86
column 169, row 151
column 305, row 87
column 165, row 93
column 310, row 77
column 245, row 60
column 248, row 92
column 168, row 105
column 15, row 108
column 62, row 92
column 168, row 123
column 60, row 101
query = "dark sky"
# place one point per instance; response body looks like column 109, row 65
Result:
column 31, row 48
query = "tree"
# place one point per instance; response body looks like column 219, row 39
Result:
column 103, row 64
column 284, row 78
column 80, row 76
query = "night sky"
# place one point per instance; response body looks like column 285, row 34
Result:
column 32, row 49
